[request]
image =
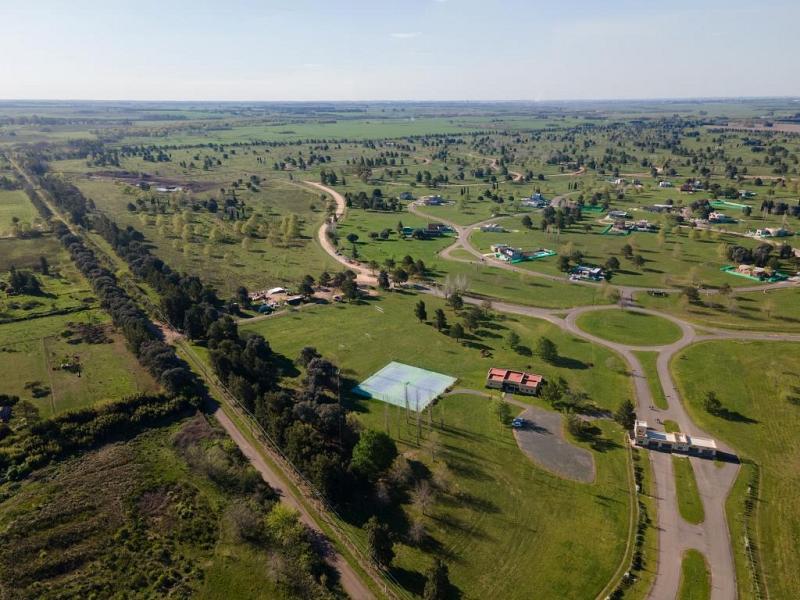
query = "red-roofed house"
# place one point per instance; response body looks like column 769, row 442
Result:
column 513, row 381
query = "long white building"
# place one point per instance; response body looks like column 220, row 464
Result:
column 674, row 442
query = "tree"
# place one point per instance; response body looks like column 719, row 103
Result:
column 349, row 288
column 563, row 263
column 547, row 349
column 379, row 541
column 456, row 301
column 307, row 286
column 612, row 263
column 383, row 280
column 712, row 404
column 457, row 331
column 352, row 238
column 503, row 412
column 626, row 414
column 44, row 266
column 513, row 340
column 440, row 319
column 437, row 582
column 638, row 261
column 526, row 222
column 373, row 454
column 420, row 312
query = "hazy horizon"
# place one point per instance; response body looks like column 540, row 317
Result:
column 422, row 50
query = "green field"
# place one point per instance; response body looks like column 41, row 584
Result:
column 629, row 327
column 507, row 507
column 695, row 578
column 690, row 504
column 33, row 351
column 758, row 385
column 15, row 204
column 778, row 310
column 216, row 249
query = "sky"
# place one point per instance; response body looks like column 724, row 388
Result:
column 250, row 50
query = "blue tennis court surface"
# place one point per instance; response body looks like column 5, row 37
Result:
column 404, row 385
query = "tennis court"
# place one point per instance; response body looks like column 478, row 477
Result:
column 404, row 385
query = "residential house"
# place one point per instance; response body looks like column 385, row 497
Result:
column 665, row 184
column 718, row 217
column 435, row 200
column 586, row 273
column 517, row 382
column 618, row 214
column 406, row 196
column 492, row 228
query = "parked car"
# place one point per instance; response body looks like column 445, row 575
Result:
column 518, row 423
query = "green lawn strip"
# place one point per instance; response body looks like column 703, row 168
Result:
column 15, row 204
column 645, row 575
column 758, row 384
column 648, row 362
column 695, row 578
column 197, row 358
column 741, row 522
column 671, row 426
column 689, row 502
column 629, row 327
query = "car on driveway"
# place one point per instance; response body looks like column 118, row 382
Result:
column 518, row 423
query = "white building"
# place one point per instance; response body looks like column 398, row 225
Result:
column 673, row 442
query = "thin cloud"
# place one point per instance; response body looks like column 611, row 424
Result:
column 406, row 35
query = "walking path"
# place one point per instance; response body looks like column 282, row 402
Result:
column 714, row 481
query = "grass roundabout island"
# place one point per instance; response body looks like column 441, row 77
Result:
column 629, row 327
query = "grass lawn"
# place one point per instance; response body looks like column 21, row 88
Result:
column 32, row 351
column 671, row 426
column 629, row 327
column 695, row 578
column 648, row 362
column 499, row 503
column 15, row 203
column 777, row 310
column 25, row 253
column 689, row 502
column 759, row 385
column 362, row 338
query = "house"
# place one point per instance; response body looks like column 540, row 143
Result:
column 586, row 273
column 406, row 196
column 718, row 217
column 688, row 188
column 619, row 181
column 276, row 290
column 660, row 208
column 435, row 229
column 517, row 382
column 492, row 228
column 746, row 194
column 773, row 232
column 432, row 200
column 665, row 184
column 753, row 271
column 673, row 442
column 618, row 214
column 535, row 201
column 294, row 300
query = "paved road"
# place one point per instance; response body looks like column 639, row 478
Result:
column 711, row 537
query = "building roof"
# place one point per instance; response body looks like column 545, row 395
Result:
column 518, row 377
